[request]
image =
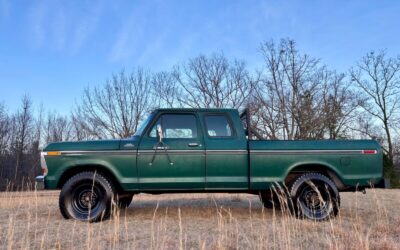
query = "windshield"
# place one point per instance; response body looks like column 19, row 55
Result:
column 143, row 125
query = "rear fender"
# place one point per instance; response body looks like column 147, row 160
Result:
column 317, row 166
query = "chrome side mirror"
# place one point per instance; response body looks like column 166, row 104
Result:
column 159, row 132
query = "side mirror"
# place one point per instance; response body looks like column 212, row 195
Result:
column 159, row 132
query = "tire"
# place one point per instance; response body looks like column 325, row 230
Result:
column 269, row 199
column 124, row 201
column 87, row 196
column 314, row 196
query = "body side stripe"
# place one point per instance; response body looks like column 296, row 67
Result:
column 217, row 152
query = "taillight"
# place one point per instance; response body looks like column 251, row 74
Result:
column 369, row 152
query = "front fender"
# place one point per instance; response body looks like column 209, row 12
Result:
column 60, row 166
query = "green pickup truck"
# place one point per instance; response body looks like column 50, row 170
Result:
column 207, row 150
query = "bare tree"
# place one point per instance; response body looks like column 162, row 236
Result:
column 397, row 154
column 165, row 89
column 4, row 138
column 57, row 128
column 340, row 104
column 22, row 125
column 213, row 82
column 378, row 78
column 287, row 90
column 78, row 128
column 38, row 126
column 115, row 109
column 4, row 129
column 297, row 98
column 366, row 128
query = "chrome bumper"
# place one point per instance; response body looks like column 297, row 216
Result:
column 39, row 182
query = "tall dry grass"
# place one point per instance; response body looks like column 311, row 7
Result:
column 200, row 221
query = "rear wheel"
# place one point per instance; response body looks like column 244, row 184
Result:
column 125, row 201
column 314, row 196
column 87, row 196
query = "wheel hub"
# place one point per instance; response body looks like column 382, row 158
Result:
column 86, row 199
column 312, row 199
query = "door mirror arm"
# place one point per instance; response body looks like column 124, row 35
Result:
column 159, row 133
column 160, row 146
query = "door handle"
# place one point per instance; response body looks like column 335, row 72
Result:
column 193, row 144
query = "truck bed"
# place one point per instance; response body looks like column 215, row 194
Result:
column 354, row 162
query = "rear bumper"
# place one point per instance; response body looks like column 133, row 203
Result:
column 383, row 183
column 39, row 182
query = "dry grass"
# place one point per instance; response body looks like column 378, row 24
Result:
column 205, row 221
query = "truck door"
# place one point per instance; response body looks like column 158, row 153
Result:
column 179, row 161
column 226, row 154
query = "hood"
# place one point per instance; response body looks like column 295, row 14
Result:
column 83, row 145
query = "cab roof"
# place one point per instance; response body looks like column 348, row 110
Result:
column 196, row 110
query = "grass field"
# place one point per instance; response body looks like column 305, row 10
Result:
column 205, row 221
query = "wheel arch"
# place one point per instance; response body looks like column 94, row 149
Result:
column 322, row 168
column 105, row 171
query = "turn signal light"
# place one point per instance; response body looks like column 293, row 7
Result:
column 53, row 153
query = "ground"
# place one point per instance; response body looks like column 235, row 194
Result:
column 206, row 221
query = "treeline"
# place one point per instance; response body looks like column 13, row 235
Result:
column 292, row 96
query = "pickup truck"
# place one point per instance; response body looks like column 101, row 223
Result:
column 207, row 150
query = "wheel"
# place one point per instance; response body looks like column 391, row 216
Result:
column 314, row 196
column 124, row 201
column 269, row 199
column 87, row 196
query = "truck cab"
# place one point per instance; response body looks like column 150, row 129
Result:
column 199, row 150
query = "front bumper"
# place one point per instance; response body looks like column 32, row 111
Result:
column 39, row 182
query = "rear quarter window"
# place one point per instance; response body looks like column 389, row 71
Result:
column 218, row 126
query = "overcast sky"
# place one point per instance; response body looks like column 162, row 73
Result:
column 52, row 50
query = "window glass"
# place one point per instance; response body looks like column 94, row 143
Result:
column 218, row 126
column 153, row 132
column 176, row 126
column 143, row 125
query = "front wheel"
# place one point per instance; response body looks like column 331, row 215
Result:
column 270, row 199
column 87, row 196
column 314, row 196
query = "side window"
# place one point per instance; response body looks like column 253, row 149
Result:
column 176, row 126
column 218, row 126
column 153, row 131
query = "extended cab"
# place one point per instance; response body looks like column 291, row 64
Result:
column 207, row 150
